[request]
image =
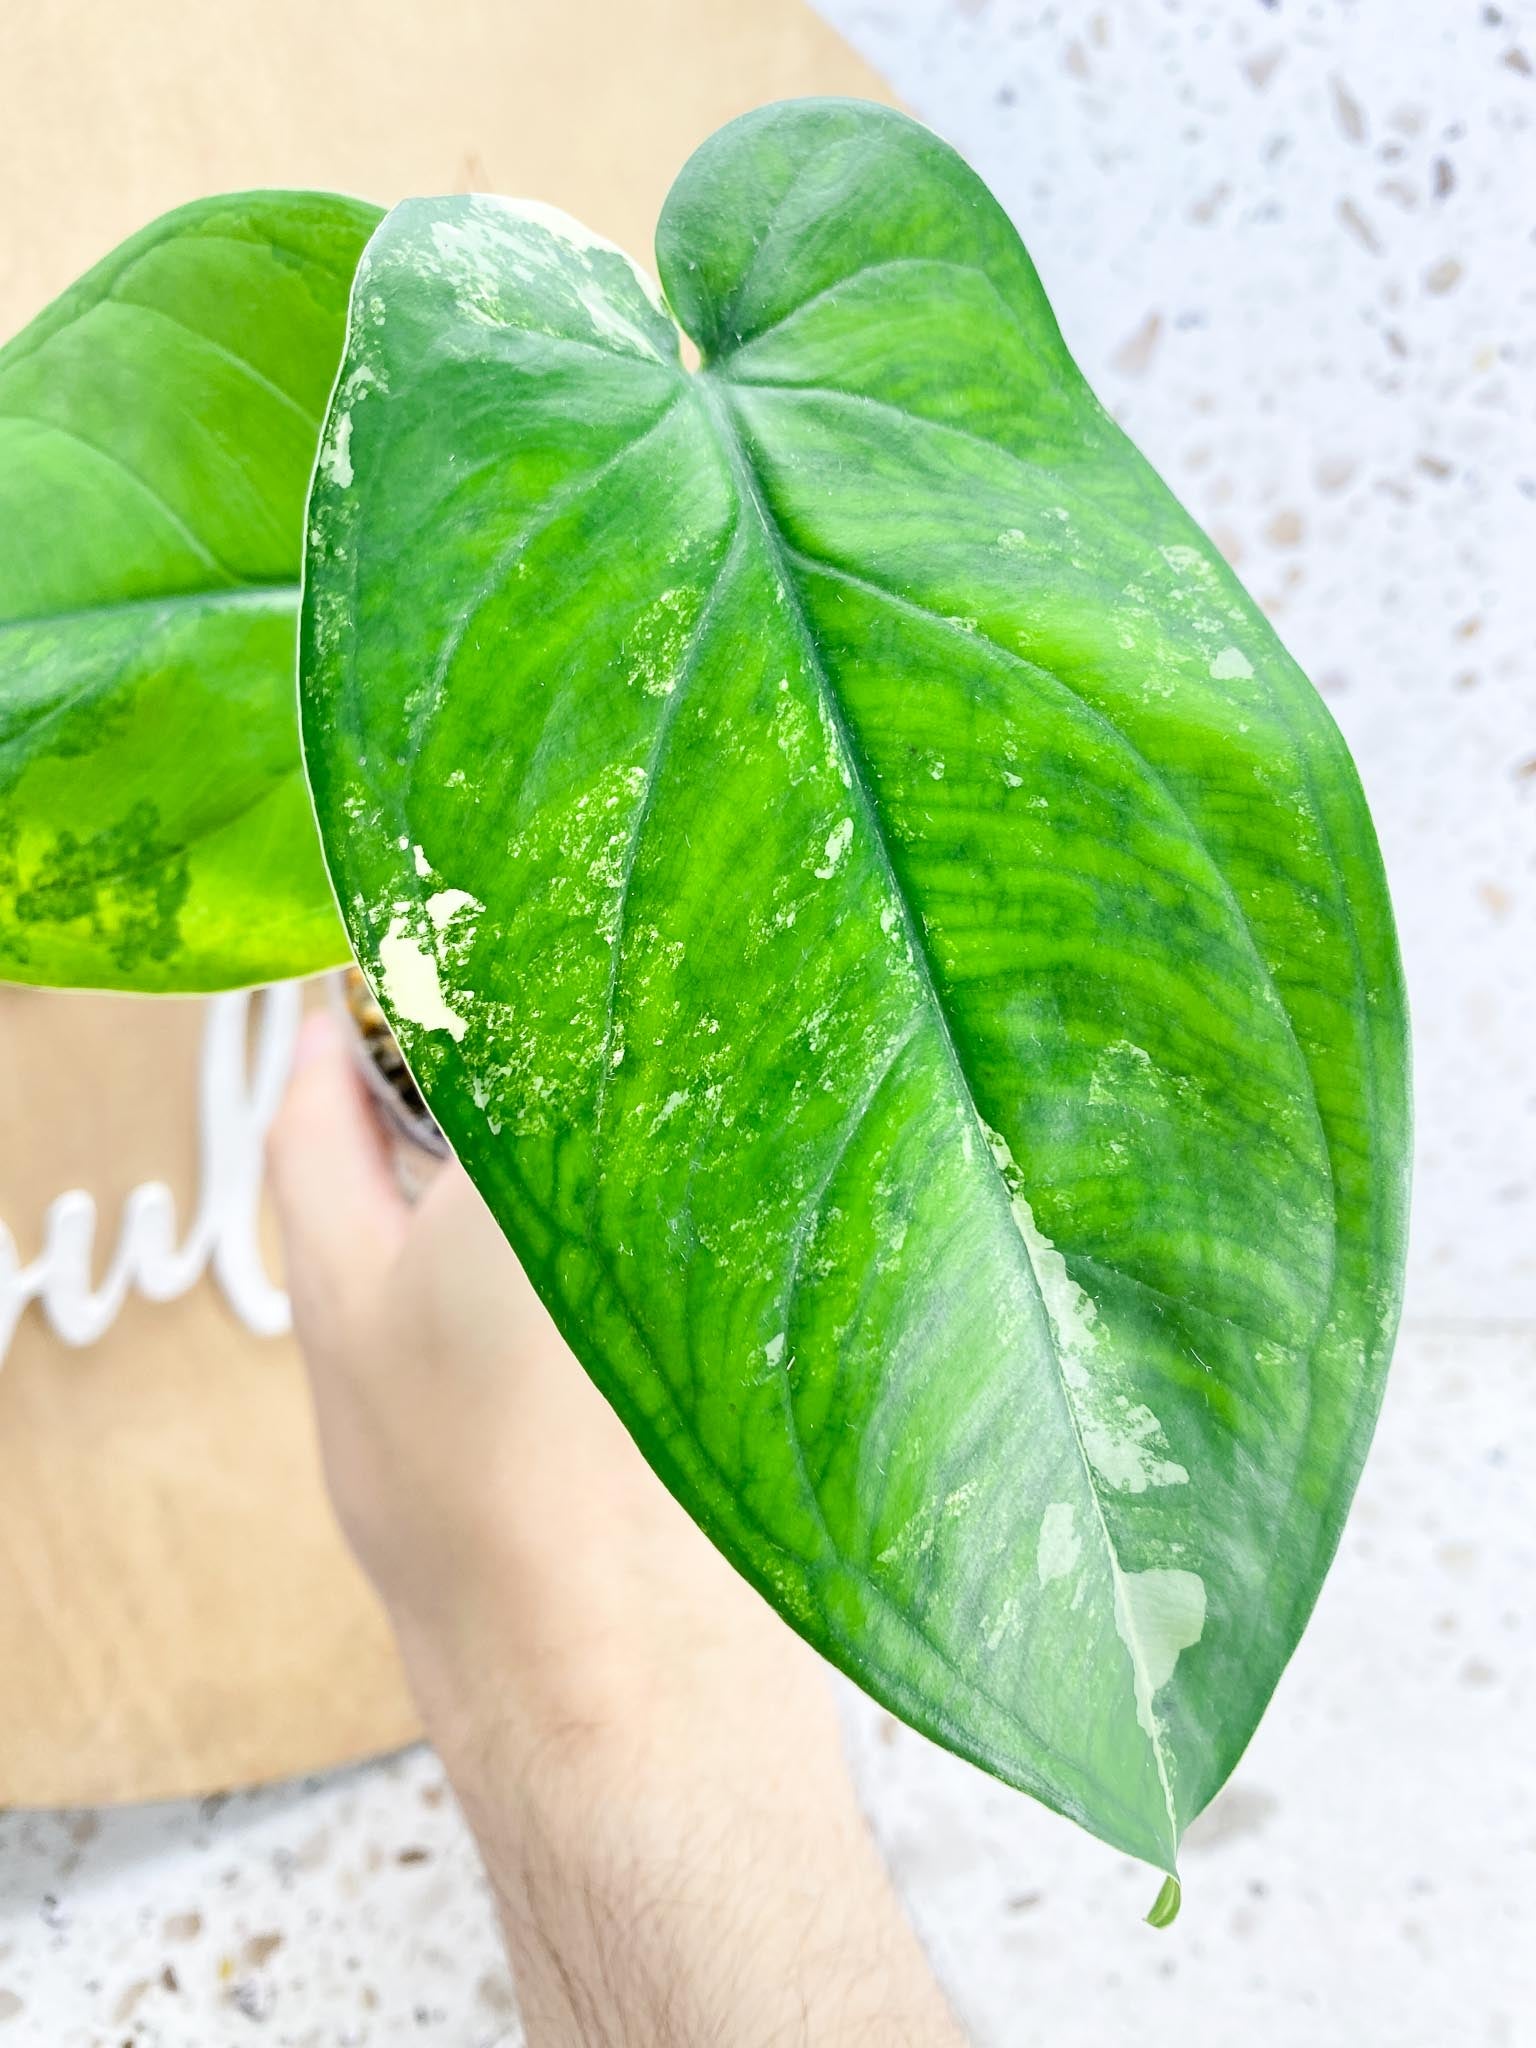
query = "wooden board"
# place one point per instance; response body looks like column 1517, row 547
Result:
column 177, row 1613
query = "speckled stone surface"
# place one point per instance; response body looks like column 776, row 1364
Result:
column 1294, row 245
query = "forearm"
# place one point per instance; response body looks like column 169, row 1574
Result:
column 671, row 1900
column 648, row 1758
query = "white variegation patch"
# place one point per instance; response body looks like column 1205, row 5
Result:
column 1060, row 1545
column 412, row 986
column 1158, row 1615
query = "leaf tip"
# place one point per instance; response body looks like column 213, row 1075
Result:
column 1165, row 1907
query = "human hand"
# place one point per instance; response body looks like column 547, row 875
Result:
column 637, row 1739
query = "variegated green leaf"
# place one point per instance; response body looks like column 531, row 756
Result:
column 896, row 940
column 158, row 426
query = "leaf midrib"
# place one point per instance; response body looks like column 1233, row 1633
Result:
column 718, row 408
column 239, row 596
column 1359, row 1002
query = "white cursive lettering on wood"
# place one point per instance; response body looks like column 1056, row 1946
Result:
column 236, row 1104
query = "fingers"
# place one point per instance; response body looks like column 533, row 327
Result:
column 339, row 1207
column 455, row 1235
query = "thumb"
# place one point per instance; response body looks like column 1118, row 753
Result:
column 339, row 1207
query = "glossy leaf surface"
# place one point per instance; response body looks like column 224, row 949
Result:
column 895, row 939
column 158, row 426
